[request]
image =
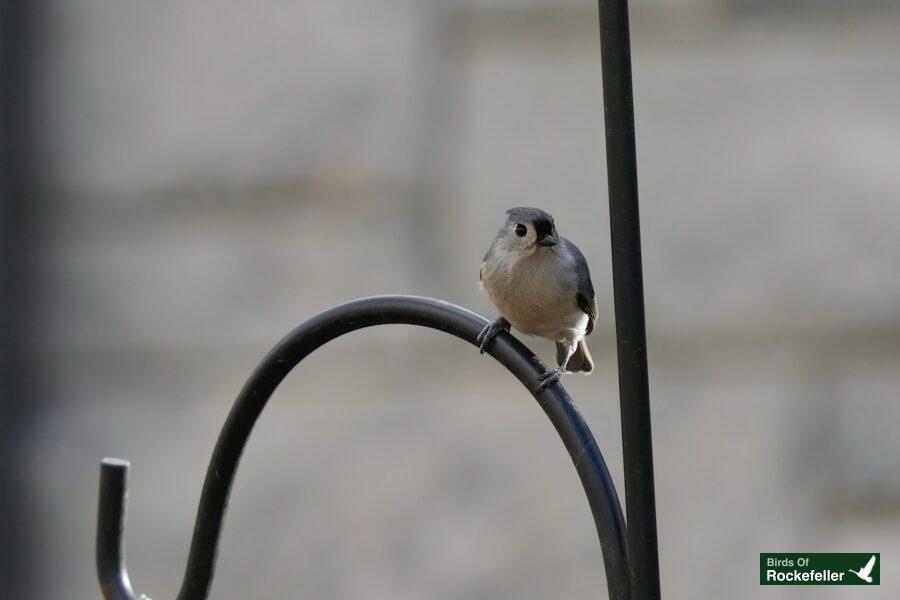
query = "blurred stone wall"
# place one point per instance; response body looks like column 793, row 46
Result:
column 216, row 173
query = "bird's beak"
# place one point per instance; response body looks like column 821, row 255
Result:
column 547, row 239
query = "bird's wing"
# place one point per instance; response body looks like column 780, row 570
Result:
column 584, row 295
column 869, row 565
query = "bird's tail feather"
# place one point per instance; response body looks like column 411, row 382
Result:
column 581, row 359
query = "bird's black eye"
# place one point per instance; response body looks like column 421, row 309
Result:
column 521, row 230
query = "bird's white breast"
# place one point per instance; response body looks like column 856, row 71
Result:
column 536, row 293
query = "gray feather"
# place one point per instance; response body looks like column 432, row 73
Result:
column 584, row 295
column 526, row 213
column 580, row 361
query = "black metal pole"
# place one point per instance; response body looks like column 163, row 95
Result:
column 17, row 398
column 628, row 286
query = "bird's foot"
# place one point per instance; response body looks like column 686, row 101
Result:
column 549, row 377
column 490, row 332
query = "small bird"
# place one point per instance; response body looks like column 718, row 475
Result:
column 541, row 285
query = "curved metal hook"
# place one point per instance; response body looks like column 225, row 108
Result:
column 293, row 348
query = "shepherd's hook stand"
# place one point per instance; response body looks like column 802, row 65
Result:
column 632, row 564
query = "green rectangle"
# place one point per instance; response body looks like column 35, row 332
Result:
column 798, row 568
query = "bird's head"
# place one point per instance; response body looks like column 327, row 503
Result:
column 528, row 229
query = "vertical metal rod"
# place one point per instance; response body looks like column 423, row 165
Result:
column 110, row 548
column 628, row 288
column 18, row 562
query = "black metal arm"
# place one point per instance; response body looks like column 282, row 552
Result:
column 298, row 344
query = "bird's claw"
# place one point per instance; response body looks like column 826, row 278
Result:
column 549, row 377
column 490, row 331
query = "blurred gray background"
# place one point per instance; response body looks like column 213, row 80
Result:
column 212, row 174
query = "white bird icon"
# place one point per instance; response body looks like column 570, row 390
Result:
column 865, row 572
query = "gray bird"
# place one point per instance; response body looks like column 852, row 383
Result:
column 541, row 285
